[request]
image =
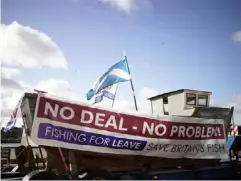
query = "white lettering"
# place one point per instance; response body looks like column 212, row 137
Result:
column 121, row 125
column 92, row 138
column 203, row 133
column 84, row 119
column 67, row 136
column 198, row 132
column 48, row 130
column 99, row 141
column 181, row 131
column 99, row 118
column 56, row 133
column 174, row 130
column 146, row 127
column 216, row 131
column 111, row 122
column 82, row 138
column 120, row 143
column 53, row 111
column 62, row 111
column 113, row 144
column 107, row 140
column 62, row 134
column 190, row 129
column 126, row 144
column 137, row 146
column 72, row 136
column 163, row 130
column 209, row 132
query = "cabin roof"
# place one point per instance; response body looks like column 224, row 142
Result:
column 174, row 92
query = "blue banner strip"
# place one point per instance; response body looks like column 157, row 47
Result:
column 62, row 134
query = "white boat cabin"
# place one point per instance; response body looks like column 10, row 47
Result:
column 181, row 102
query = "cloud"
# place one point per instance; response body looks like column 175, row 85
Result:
column 56, row 87
column 146, row 92
column 128, row 6
column 53, row 86
column 237, row 37
column 23, row 46
column 235, row 102
column 237, row 108
column 9, row 102
column 10, row 72
column 10, row 81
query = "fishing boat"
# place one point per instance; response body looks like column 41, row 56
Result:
column 183, row 138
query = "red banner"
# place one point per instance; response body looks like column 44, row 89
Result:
column 91, row 117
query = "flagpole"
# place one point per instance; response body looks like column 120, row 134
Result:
column 132, row 87
column 114, row 96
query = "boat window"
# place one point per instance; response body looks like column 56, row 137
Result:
column 165, row 100
column 202, row 100
column 165, row 105
column 191, row 99
column 12, row 154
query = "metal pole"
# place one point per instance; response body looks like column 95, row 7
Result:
column 42, row 157
column 114, row 95
column 64, row 162
column 132, row 87
column 72, row 162
column 151, row 107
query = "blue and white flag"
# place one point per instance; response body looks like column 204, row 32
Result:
column 116, row 74
column 11, row 123
column 108, row 92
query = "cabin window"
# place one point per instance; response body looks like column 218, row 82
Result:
column 191, row 99
column 12, row 154
column 165, row 100
column 202, row 100
column 165, row 106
